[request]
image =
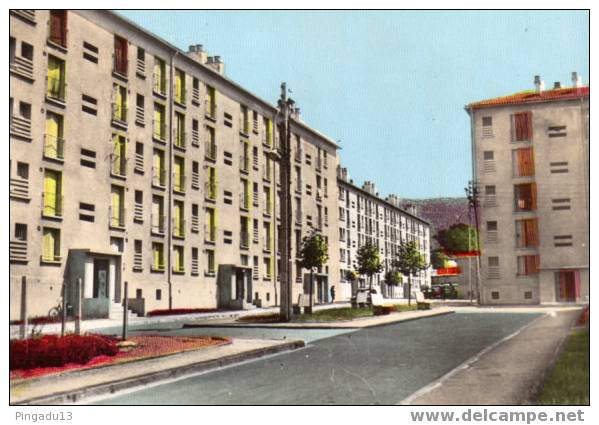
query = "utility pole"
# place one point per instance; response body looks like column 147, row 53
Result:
column 472, row 195
column 286, row 107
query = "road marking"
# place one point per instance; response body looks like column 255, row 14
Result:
column 464, row 365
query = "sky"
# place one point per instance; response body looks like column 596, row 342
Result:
column 389, row 86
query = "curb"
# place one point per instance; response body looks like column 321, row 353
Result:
column 318, row 326
column 77, row 395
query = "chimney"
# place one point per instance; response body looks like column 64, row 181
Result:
column 197, row 53
column 557, row 85
column 539, row 84
column 576, row 80
column 215, row 63
column 297, row 115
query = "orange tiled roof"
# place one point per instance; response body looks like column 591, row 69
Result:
column 532, row 96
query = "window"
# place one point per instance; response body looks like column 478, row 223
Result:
column 158, row 168
column 244, row 199
column 488, row 155
column 159, row 122
column 527, row 233
column 179, row 219
column 211, row 263
column 525, row 197
column 20, row 232
column 157, row 256
column 58, row 27
column 179, row 130
column 159, row 76
column 557, row 131
column 117, row 244
column 88, row 158
column 90, row 52
column 89, row 104
column 268, row 132
column 487, row 126
column 211, row 144
column 244, row 232
column 140, row 113
column 267, row 268
column 179, row 177
column 493, row 261
column 495, row 295
column 180, row 87
column 87, row 212
column 56, row 79
column 211, row 102
column 121, row 62
column 491, row 226
column 493, row 268
column 117, row 206
column 51, row 245
column 119, row 155
column 558, row 167
column 560, row 204
column 210, row 225
column 157, row 215
column 522, row 127
column 528, row 295
column 141, row 62
column 244, row 122
column 527, row 265
column 53, row 139
column 158, row 294
column 211, row 184
column 53, row 200
column 562, row 240
column 523, row 162
column 179, row 260
column 267, row 237
column 194, row 261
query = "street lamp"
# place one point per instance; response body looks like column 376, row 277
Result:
column 282, row 156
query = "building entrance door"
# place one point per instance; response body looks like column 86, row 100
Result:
column 567, row 285
column 100, row 278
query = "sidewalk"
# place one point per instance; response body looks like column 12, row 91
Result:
column 507, row 373
column 70, row 387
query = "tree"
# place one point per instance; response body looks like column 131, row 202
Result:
column 313, row 254
column 439, row 259
column 455, row 238
column 393, row 278
column 410, row 261
column 369, row 261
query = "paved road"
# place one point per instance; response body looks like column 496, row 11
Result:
column 381, row 365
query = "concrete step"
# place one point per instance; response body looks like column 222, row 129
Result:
column 116, row 312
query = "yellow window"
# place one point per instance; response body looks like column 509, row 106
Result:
column 179, row 86
column 269, row 132
column 158, row 255
column 56, row 78
column 159, row 123
column 158, row 168
column 180, row 130
column 53, row 143
column 179, row 218
column 52, row 193
column 117, row 216
column 179, row 262
column 50, row 244
column 160, row 76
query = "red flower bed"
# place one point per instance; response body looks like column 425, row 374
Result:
column 174, row 311
column 53, row 350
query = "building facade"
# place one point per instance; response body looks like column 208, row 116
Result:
column 366, row 218
column 133, row 161
column 531, row 165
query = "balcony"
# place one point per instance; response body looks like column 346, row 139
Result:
column 179, row 229
column 210, row 233
column 244, row 163
column 159, row 84
column 210, row 189
column 22, row 67
column 56, row 90
column 157, row 267
column 159, row 177
column 20, row 127
column 244, row 202
column 54, row 259
column 210, row 151
column 120, row 66
column 18, row 251
column 179, row 183
column 118, row 165
column 159, row 133
column 19, row 188
column 119, row 115
column 53, row 205
column 53, row 147
column 180, row 139
column 244, row 240
column 157, row 227
column 157, row 224
column 117, row 217
column 211, row 109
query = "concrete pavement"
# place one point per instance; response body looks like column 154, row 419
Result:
column 509, row 373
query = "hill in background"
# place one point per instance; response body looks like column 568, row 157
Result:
column 440, row 212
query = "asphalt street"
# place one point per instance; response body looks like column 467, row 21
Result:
column 380, row 365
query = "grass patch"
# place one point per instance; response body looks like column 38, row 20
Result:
column 334, row 314
column 568, row 383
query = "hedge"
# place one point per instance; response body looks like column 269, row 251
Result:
column 174, row 311
column 56, row 351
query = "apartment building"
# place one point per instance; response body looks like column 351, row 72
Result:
column 530, row 156
column 133, row 161
column 364, row 217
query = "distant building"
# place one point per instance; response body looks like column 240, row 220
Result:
column 364, row 217
column 531, row 164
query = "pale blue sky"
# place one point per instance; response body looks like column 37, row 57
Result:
column 391, row 86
